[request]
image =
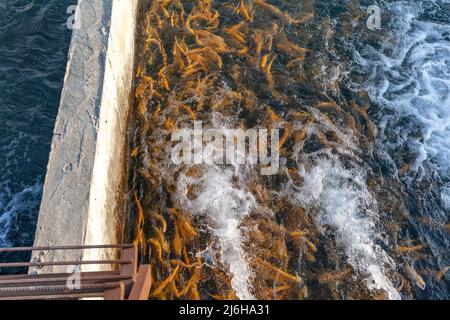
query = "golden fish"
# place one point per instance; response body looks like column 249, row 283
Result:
column 165, row 282
column 243, row 10
column 418, row 280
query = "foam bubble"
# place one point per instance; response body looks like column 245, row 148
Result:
column 223, row 198
column 445, row 197
column 11, row 206
column 411, row 77
column 346, row 205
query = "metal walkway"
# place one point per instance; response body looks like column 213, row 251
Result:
column 128, row 282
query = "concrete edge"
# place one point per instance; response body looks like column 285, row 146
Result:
column 83, row 191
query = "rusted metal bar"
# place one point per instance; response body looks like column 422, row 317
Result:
column 31, row 289
column 71, row 296
column 59, row 275
column 129, row 254
column 63, row 263
column 51, row 279
column 142, row 284
column 116, row 293
column 105, row 246
column 111, row 285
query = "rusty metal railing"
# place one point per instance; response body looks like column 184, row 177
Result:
column 128, row 282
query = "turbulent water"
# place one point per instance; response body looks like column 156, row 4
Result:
column 33, row 48
column 359, row 207
column 407, row 76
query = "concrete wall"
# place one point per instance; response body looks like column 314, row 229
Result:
column 84, row 187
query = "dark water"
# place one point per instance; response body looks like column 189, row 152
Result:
column 359, row 208
column 406, row 72
column 33, row 47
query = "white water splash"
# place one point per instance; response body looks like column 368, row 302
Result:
column 11, row 206
column 346, row 205
column 223, row 198
column 410, row 80
column 226, row 206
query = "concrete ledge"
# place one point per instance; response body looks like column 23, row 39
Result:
column 82, row 202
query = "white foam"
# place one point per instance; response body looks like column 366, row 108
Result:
column 414, row 80
column 23, row 202
column 445, row 197
column 224, row 199
column 346, row 205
